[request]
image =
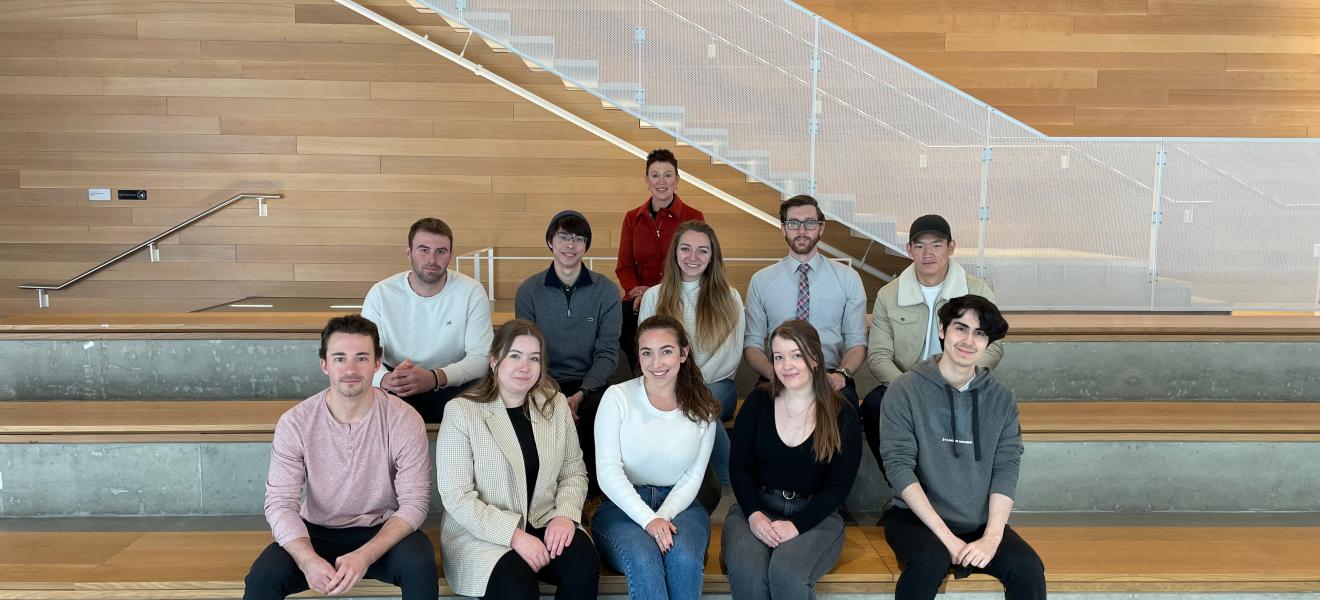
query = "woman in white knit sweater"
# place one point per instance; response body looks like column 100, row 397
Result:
column 653, row 439
column 695, row 291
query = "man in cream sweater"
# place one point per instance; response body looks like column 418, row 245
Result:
column 434, row 324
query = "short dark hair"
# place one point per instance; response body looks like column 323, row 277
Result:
column 570, row 222
column 354, row 324
column 661, row 155
column 430, row 225
column 992, row 321
column 796, row 201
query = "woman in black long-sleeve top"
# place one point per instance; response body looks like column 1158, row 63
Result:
column 793, row 459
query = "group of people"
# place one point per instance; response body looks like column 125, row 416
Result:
column 530, row 427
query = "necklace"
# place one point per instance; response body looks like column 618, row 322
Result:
column 789, row 412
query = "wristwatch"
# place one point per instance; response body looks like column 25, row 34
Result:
column 842, row 371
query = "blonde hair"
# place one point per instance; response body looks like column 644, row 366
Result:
column 717, row 313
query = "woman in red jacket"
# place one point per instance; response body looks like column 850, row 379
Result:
column 645, row 238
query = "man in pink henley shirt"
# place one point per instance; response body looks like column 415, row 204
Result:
column 360, row 455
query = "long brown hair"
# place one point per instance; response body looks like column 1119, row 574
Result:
column 694, row 398
column 717, row 313
column 828, row 440
column 487, row 389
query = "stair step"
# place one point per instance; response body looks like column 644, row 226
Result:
column 578, row 73
column 538, row 51
column 621, row 95
column 712, row 140
column 668, row 117
column 495, row 28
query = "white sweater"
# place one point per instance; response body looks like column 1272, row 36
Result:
column 723, row 362
column 450, row 331
column 630, row 434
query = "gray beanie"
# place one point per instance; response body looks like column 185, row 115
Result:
column 563, row 214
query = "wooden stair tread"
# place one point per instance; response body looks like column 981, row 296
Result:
column 1038, row 418
column 1021, row 324
column 1103, row 558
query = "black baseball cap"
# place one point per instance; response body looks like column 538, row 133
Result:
column 933, row 224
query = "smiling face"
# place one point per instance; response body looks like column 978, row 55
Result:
column 791, row 366
column 567, row 249
column 802, row 241
column 660, row 356
column 350, row 363
column 662, row 180
column 693, row 254
column 430, row 254
column 930, row 257
column 964, row 341
column 520, row 369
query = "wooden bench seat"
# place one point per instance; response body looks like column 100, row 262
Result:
column 1023, row 326
column 254, row 420
column 211, row 564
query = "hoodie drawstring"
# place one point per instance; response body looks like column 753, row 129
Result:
column 953, row 420
column 976, row 422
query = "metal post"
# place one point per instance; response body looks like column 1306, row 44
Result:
column 983, row 213
column 639, row 36
column 43, row 299
column 154, row 251
column 261, row 207
column 490, row 272
column 476, row 267
column 1156, row 218
column 813, row 124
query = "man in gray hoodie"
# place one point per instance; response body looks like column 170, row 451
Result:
column 951, row 445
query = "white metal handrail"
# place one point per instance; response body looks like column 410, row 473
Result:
column 44, row 289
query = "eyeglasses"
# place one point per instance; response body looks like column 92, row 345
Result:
column 564, row 237
column 810, row 224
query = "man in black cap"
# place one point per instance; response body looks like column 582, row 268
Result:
column 580, row 310
column 904, row 329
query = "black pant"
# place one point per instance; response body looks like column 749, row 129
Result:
column 871, row 423
column 628, row 334
column 410, row 564
column 575, row 573
column 586, row 428
column 926, row 561
column 431, row 405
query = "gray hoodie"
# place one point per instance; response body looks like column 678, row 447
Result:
column 961, row 446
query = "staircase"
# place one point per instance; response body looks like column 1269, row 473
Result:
column 792, row 101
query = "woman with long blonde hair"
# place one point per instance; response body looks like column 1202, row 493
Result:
column 696, row 292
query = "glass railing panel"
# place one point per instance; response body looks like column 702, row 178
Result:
column 1242, row 222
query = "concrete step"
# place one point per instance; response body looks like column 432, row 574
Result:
column 1124, row 368
column 1090, row 474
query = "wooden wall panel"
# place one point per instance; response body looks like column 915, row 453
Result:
column 1153, row 65
column 363, row 131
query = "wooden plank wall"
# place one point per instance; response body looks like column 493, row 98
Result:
column 363, row 131
column 1114, row 67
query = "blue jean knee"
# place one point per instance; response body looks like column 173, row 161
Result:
column 629, row 549
column 726, row 392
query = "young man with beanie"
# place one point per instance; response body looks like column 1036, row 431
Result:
column 952, row 446
column 904, row 330
column 579, row 311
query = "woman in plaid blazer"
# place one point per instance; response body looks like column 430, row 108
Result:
column 511, row 477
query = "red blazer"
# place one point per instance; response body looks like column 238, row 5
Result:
column 644, row 242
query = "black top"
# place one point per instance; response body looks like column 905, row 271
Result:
column 759, row 458
column 531, row 458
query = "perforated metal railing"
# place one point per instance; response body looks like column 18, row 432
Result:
column 803, row 105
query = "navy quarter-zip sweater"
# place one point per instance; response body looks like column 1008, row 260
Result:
column 961, row 446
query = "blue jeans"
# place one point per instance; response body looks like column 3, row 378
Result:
column 629, row 549
column 726, row 391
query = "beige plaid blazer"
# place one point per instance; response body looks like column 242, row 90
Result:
column 482, row 483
